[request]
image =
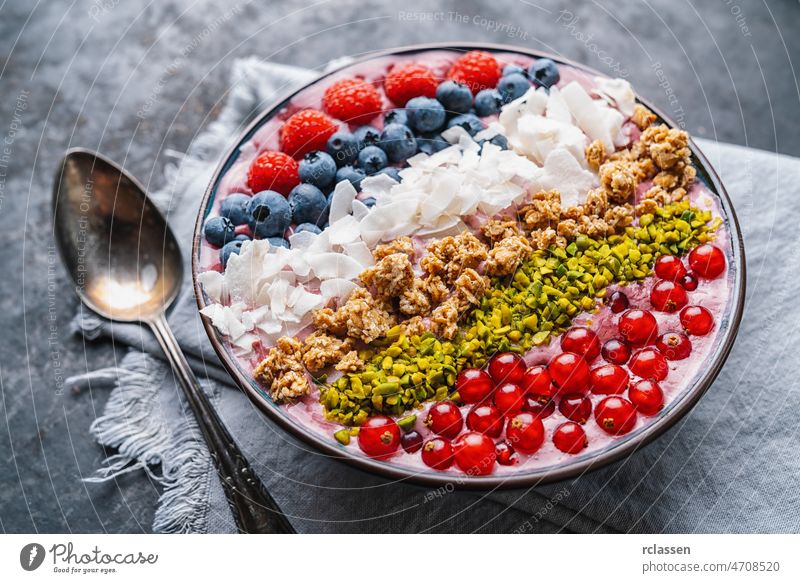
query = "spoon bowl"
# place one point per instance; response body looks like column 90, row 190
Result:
column 122, row 256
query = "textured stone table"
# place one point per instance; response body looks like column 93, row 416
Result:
column 139, row 83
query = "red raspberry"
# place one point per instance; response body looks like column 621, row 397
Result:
column 306, row 131
column 273, row 171
column 412, row 80
column 477, row 70
column 352, row 100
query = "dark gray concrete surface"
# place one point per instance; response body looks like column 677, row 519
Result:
column 76, row 74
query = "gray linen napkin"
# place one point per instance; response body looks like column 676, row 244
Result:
column 728, row 466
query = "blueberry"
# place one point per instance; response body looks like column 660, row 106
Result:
column 395, row 116
column 308, row 228
column 391, row 172
column 544, row 73
column 234, row 207
column 499, row 140
column 308, row 205
column 468, row 121
column 343, row 148
column 455, row 97
column 270, row 214
column 219, row 230
column 513, row 86
column 432, row 143
column 234, row 247
column 398, row 142
column 367, row 136
column 488, row 102
column 513, row 70
column 369, row 201
column 278, row 242
column 371, row 159
column 242, row 237
column 425, row 114
column 317, row 168
column 354, row 175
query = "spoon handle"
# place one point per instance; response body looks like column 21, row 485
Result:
column 254, row 510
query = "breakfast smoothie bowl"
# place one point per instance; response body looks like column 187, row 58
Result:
column 469, row 265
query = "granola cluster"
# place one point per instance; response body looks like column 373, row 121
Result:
column 283, row 371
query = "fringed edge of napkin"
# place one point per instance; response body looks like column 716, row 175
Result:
column 133, row 425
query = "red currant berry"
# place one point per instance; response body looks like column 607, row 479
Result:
column 445, row 419
column 570, row 437
column 618, row 302
column 689, row 282
column 509, row 398
column 569, row 372
column 525, row 432
column 542, row 408
column 576, row 407
column 537, row 382
column 437, row 453
column 616, row 351
column 475, row 453
column 379, row 436
column 638, row 327
column 615, row 415
column 486, row 419
column 506, row 367
column 647, row 397
column 670, row 268
column 506, row 456
column 609, row 379
column 411, row 442
column 674, row 345
column 668, row 296
column 707, row 261
column 581, row 341
column 649, row 363
column 697, row 320
column 474, row 385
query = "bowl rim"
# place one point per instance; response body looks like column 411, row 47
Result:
column 521, row 480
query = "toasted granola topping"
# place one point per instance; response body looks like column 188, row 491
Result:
column 444, row 319
column 667, row 147
column 543, row 211
column 596, row 202
column 364, row 317
column 470, row 287
column 435, row 288
column 450, row 255
column 321, row 350
column 618, row 181
column 618, row 217
column 326, row 320
column 596, row 154
column 399, row 245
column 544, row 239
column 496, row 230
column 414, row 326
column 350, row 362
column 390, row 276
column 647, row 207
column 506, row 256
column 642, row 117
column 414, row 300
column 282, row 370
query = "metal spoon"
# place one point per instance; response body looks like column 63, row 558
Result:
column 127, row 266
